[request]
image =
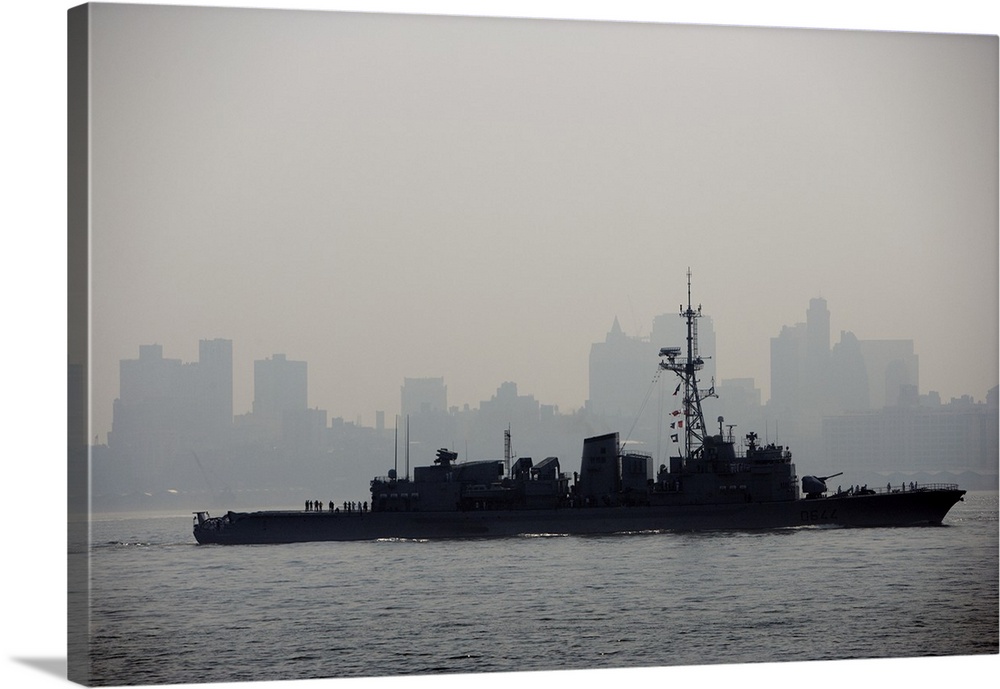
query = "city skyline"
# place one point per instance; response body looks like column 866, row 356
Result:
column 176, row 430
column 368, row 417
column 394, row 196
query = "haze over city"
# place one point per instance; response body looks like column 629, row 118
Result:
column 388, row 197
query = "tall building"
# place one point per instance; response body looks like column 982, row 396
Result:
column 507, row 406
column 169, row 416
column 811, row 383
column 848, row 375
column 800, row 361
column 215, row 379
column 788, row 359
column 817, row 333
column 279, row 386
column 621, row 369
column 280, row 394
column 166, row 403
column 806, row 375
column 423, row 395
column 892, row 366
column 149, row 378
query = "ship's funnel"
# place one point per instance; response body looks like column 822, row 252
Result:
column 599, row 468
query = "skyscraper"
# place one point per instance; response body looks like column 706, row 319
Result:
column 621, row 369
column 215, row 380
column 279, row 386
column 423, row 395
column 891, row 366
column 165, row 401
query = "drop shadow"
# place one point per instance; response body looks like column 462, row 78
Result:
column 50, row 666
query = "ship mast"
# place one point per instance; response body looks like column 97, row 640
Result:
column 687, row 370
column 507, row 450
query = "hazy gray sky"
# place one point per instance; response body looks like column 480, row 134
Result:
column 478, row 199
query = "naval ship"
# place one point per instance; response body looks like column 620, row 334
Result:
column 710, row 484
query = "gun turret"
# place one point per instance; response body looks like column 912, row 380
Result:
column 815, row 486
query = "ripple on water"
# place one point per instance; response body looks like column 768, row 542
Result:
column 165, row 614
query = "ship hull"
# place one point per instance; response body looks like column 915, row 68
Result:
column 916, row 508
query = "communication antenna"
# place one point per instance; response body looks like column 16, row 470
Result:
column 687, row 369
column 506, row 450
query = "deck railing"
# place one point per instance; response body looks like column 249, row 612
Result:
column 909, row 487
